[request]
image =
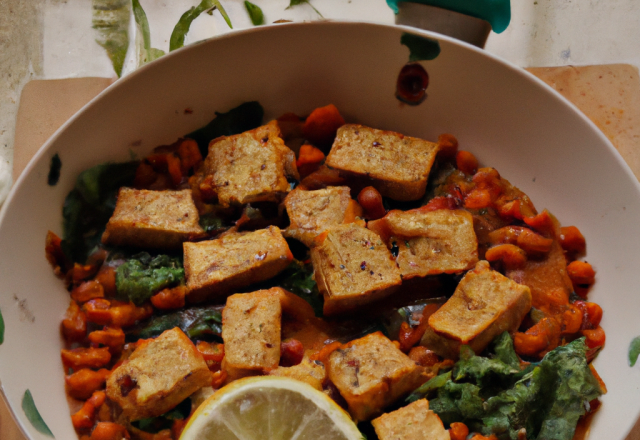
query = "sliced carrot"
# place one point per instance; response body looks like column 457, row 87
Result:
column 572, row 240
column 322, row 124
column 458, row 431
column 84, row 382
column 74, row 323
column 511, row 255
column 581, row 272
column 309, row 160
column 109, row 431
column 87, row 291
column 353, row 212
column 170, row 298
column 466, row 162
column 79, row 358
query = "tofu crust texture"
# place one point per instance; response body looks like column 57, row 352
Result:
column 214, row 268
column 352, row 267
column 398, row 166
column 251, row 324
column 157, row 376
column 153, row 219
column 251, row 167
column 313, row 212
column 484, row 305
column 372, row 373
column 432, row 242
column 412, row 422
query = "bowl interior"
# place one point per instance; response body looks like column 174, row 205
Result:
column 506, row 117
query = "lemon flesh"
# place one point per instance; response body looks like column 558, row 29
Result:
column 270, row 408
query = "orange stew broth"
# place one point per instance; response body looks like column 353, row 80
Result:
column 528, row 246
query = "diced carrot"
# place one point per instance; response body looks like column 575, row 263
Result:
column 323, row 354
column 87, row 291
column 174, row 167
column 107, row 278
column 581, row 272
column 423, row 356
column 291, row 352
column 510, row 209
column 466, row 162
column 74, row 323
column 505, row 235
column 85, row 417
column 170, row 298
column 439, row 202
column 211, row 351
column 447, row 146
column 309, row 160
column 408, row 336
column 478, row 199
column 458, row 431
column 572, row 319
column 511, row 255
column 208, row 189
column 112, row 337
column 319, row 239
column 591, row 314
column 190, row 157
column 158, row 161
column 177, row 427
column 109, row 431
column 371, row 201
column 322, row 124
column 322, row 178
column 83, row 383
column 353, row 212
column 145, row 176
column 542, row 337
column 116, row 313
column 54, row 254
column 595, row 337
column 543, row 223
column 80, row 272
column 572, row 240
column 91, row 357
column 532, row 242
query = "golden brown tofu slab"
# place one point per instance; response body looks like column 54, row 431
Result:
column 308, row 371
column 215, row 268
column 412, row 422
column 312, row 212
column 372, row 373
column 158, row 375
column 484, row 305
column 396, row 165
column 251, row 167
column 433, row 242
column 352, row 267
column 153, row 219
column 251, row 324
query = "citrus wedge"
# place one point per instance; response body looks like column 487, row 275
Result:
column 270, row 408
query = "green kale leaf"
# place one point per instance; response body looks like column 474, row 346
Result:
column 298, row 278
column 195, row 322
column 502, row 346
column 433, row 384
column 458, row 401
column 483, row 371
column 88, row 207
column 244, row 117
column 141, row 276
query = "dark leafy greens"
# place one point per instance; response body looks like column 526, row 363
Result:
column 141, row 276
column 494, row 396
column 89, row 206
column 195, row 322
column 298, row 279
column 154, row 425
column 246, row 116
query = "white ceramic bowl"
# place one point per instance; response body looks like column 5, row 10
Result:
column 505, row 116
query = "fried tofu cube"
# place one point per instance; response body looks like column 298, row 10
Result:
column 312, row 212
column 431, row 243
column 308, row 371
column 396, row 165
column 153, row 219
column 215, row 268
column 412, row 422
column 484, row 305
column 158, row 375
column 352, row 267
column 251, row 167
column 251, row 324
column 372, row 373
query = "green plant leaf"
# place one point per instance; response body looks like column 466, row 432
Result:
column 148, row 53
column 181, row 28
column 33, row 415
column 634, row 351
column 1, row 328
column 111, row 19
column 420, row 48
column 255, row 13
column 293, row 3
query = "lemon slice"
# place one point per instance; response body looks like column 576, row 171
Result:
column 270, row 408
